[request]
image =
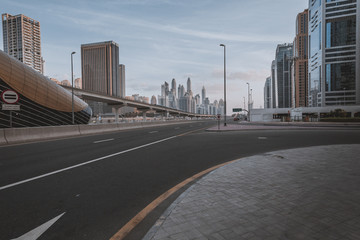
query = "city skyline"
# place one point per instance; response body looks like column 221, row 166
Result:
column 161, row 40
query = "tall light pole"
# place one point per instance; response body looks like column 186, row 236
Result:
column 223, row 45
column 72, row 88
column 248, row 100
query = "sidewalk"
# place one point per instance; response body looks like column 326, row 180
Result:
column 238, row 126
column 306, row 193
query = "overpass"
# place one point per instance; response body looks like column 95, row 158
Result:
column 118, row 102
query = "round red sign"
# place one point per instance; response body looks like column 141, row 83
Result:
column 10, row 97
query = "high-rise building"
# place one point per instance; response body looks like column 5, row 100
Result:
column 153, row 100
column 273, row 86
column 203, row 94
column 100, row 68
column 301, row 60
column 267, row 93
column 21, row 37
column 283, row 60
column 334, row 52
column 122, row 80
column 188, row 86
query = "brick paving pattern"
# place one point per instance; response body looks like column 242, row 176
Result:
column 306, row 193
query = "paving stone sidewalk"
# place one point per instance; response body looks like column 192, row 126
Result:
column 305, row 193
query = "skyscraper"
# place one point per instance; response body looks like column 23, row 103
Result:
column 203, row 94
column 188, row 86
column 267, row 93
column 283, row 58
column 301, row 60
column 334, row 52
column 21, row 37
column 100, row 68
column 122, row 80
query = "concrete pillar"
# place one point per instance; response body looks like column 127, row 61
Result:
column 116, row 113
column 144, row 116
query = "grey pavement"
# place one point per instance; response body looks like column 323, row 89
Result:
column 304, row 193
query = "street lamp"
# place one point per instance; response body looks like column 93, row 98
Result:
column 72, row 88
column 248, row 100
column 223, row 45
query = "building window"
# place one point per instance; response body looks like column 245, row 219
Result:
column 341, row 32
column 340, row 76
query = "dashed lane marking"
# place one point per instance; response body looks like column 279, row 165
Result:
column 105, row 140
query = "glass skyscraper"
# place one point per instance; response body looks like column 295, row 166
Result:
column 334, row 44
column 283, row 61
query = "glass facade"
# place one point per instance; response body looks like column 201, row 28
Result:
column 340, row 76
column 333, row 67
column 315, row 56
column 341, row 32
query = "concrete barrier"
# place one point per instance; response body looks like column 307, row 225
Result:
column 99, row 128
column 30, row 134
column 23, row 135
column 2, row 137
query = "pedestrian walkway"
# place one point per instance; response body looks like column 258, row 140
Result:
column 238, row 126
column 305, row 193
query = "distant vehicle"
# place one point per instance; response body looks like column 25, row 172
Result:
column 236, row 118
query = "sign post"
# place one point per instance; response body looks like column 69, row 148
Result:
column 10, row 99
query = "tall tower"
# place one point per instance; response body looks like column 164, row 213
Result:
column 100, row 68
column 301, row 59
column 188, row 85
column 334, row 53
column 122, row 80
column 203, row 94
column 21, row 36
column 283, row 58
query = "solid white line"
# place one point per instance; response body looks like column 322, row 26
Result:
column 106, row 140
column 37, row 232
column 85, row 163
column 154, row 132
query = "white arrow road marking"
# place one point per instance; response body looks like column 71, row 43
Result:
column 37, row 232
column 154, row 132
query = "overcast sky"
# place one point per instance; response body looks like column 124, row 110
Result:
column 164, row 39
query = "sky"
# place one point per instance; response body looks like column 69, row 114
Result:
column 164, row 39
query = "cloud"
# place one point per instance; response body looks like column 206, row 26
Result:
column 246, row 76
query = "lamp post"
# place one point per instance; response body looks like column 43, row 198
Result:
column 248, row 100
column 223, row 45
column 72, row 89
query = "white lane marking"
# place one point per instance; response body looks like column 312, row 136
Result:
column 154, row 132
column 84, row 163
column 37, row 232
column 262, row 138
column 106, row 140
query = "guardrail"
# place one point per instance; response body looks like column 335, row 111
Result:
column 9, row 136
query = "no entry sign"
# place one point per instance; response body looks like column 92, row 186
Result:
column 10, row 97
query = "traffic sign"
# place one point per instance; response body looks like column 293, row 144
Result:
column 237, row 109
column 10, row 97
column 11, row 107
column 218, row 116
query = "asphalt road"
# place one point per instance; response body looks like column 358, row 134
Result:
column 93, row 200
